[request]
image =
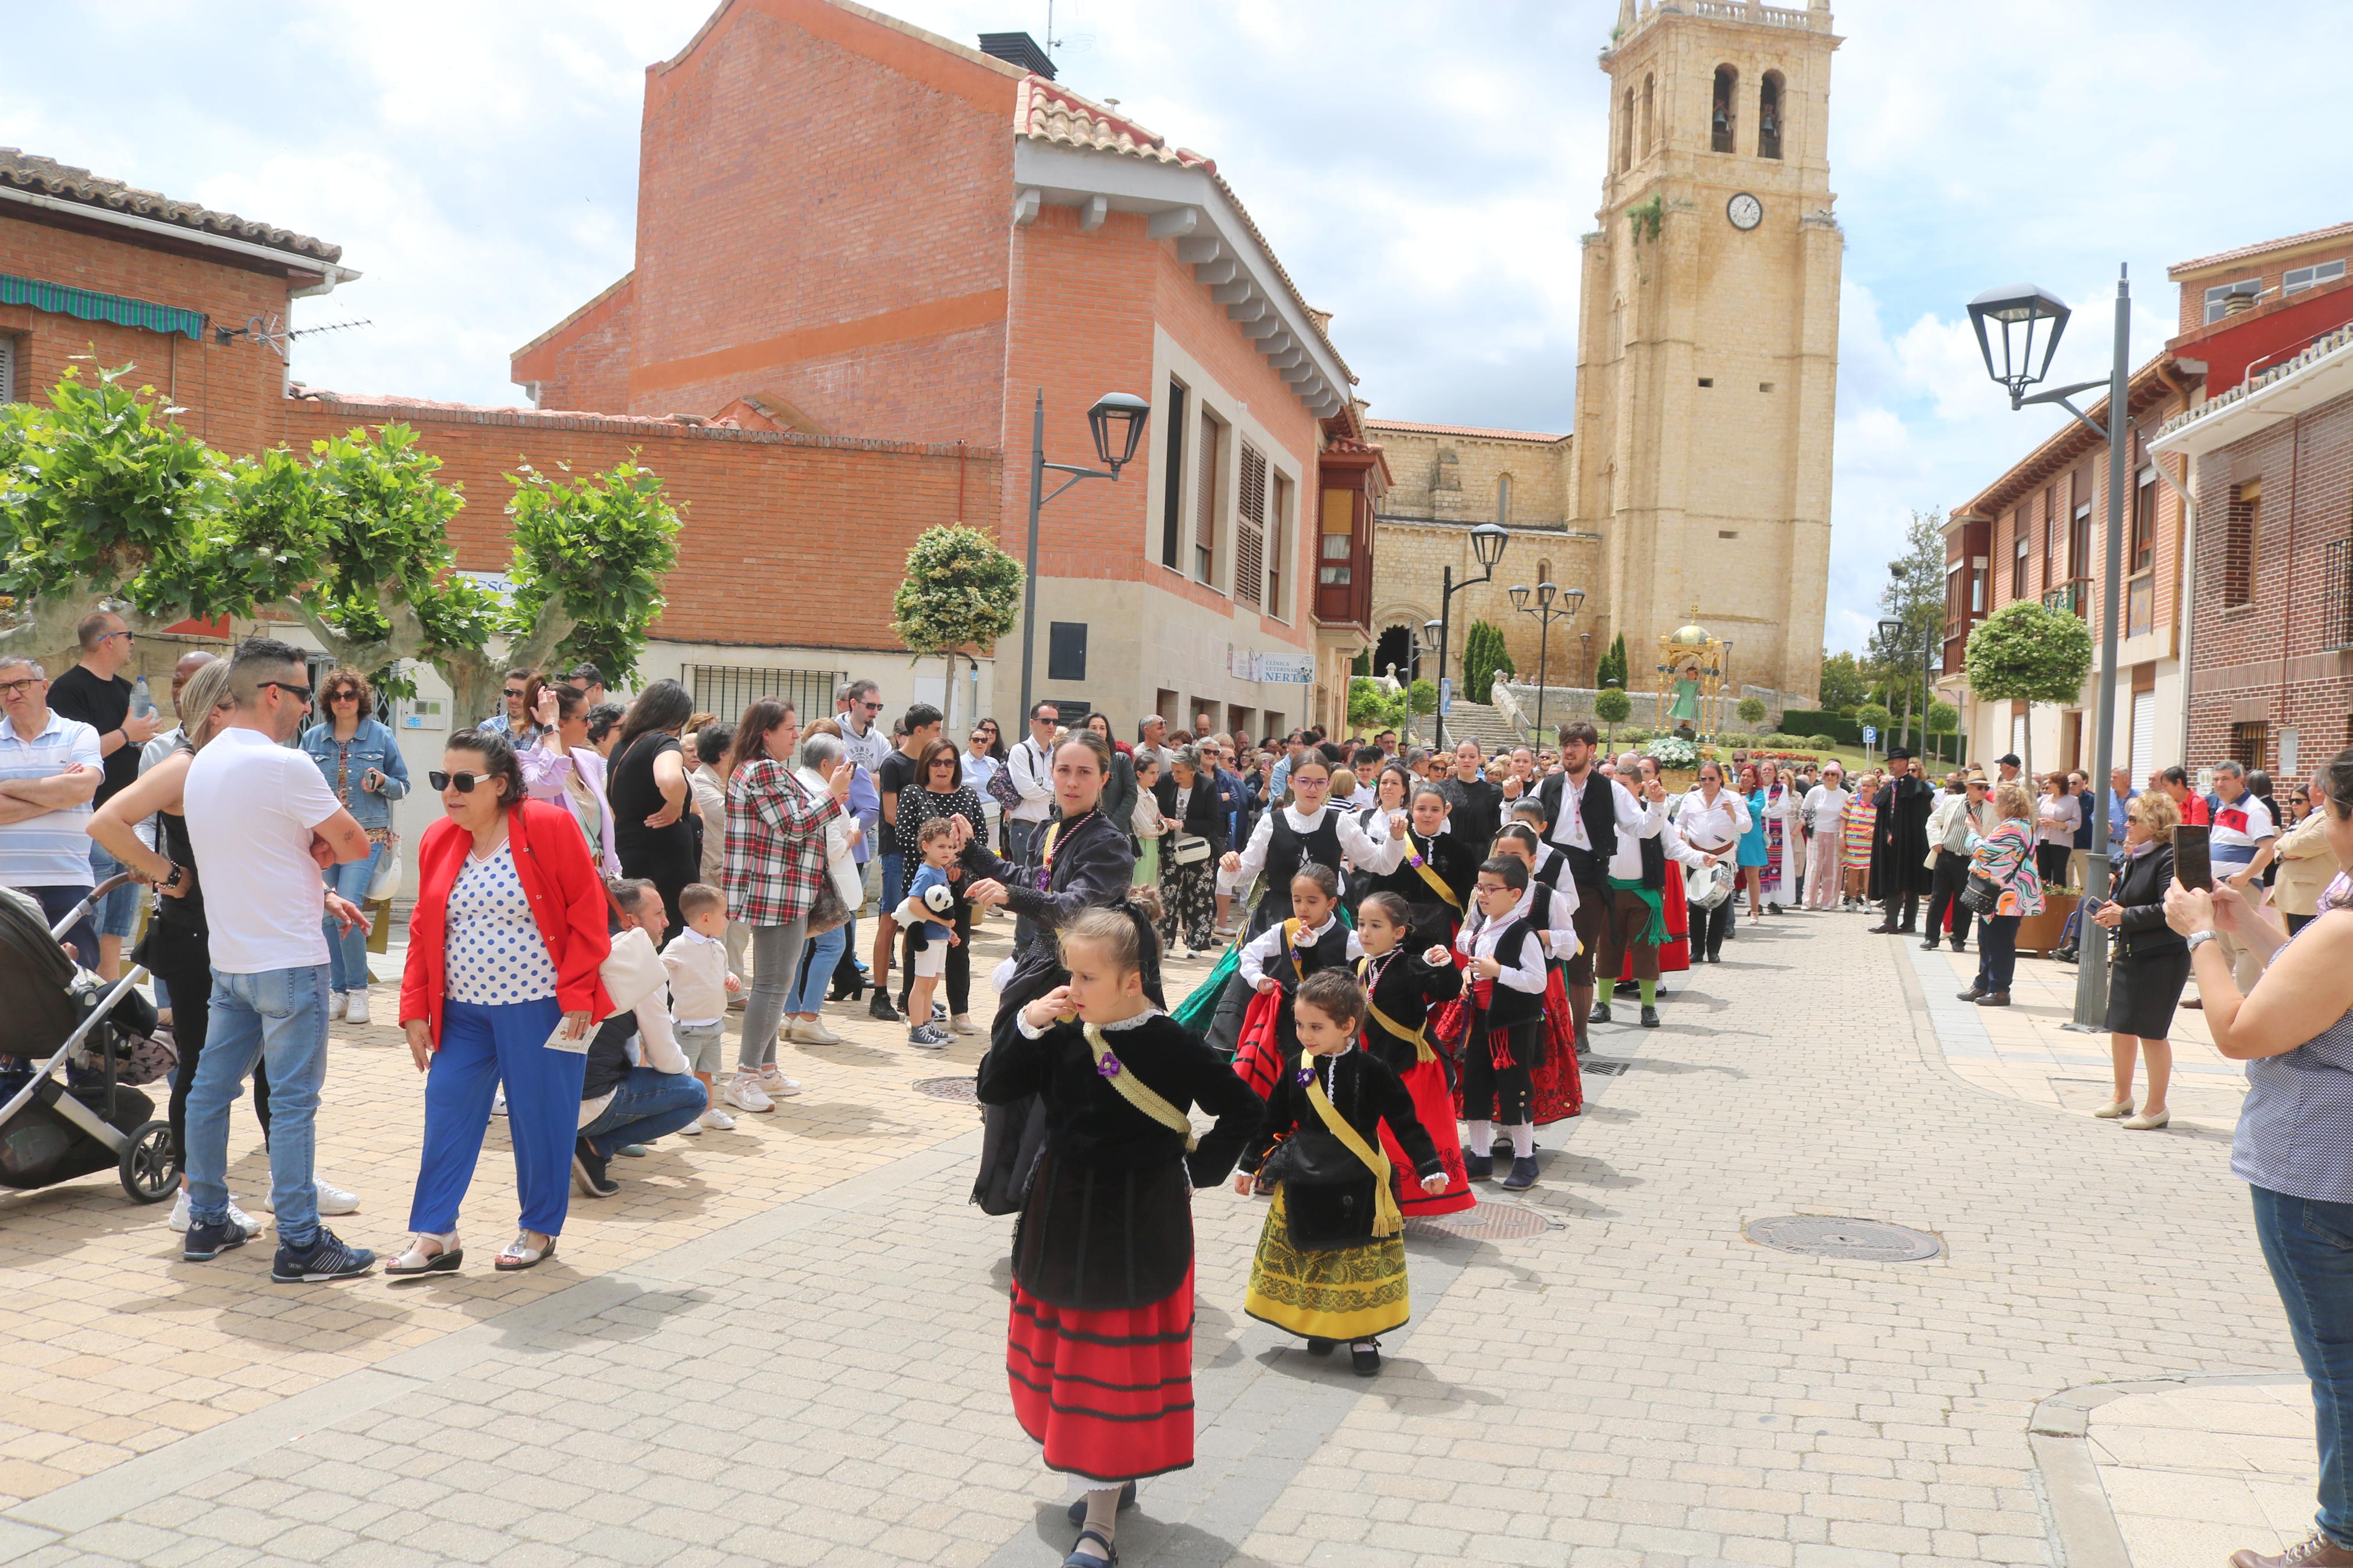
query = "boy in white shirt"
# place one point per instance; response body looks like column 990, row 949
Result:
column 699, row 985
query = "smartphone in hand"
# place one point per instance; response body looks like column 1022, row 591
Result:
column 2194, row 865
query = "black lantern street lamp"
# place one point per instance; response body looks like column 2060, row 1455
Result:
column 1545, row 612
column 1487, row 541
column 2022, row 311
column 1117, row 422
column 1422, row 641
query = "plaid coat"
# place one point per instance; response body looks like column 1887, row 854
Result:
column 776, row 843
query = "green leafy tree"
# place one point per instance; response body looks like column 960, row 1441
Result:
column 1613, row 707
column 1363, row 663
column 2025, row 653
column 1914, row 599
column 1422, row 696
column 1373, row 707
column 1611, row 671
column 960, row 594
column 1485, row 658
column 1845, row 685
column 1751, row 711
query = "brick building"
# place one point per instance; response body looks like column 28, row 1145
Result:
column 2270, row 449
column 847, row 225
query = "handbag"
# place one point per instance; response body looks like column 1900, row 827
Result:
column 1982, row 896
column 1189, row 849
column 829, row 910
column 386, row 880
column 1327, row 1193
column 1001, row 787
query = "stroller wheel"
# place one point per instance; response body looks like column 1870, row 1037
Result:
column 150, row 1166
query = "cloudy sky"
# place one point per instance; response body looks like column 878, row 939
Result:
column 1424, row 171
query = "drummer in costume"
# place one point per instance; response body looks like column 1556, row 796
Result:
column 1617, row 868
column 1311, row 830
column 1098, row 1351
column 1331, row 1256
column 1279, row 962
column 1085, row 861
column 1402, row 988
column 1506, row 1039
column 1555, row 1083
column 1712, row 820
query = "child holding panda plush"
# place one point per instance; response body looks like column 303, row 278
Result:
column 928, row 914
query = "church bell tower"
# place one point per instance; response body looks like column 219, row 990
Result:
column 1707, row 338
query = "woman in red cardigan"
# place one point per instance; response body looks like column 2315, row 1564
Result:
column 504, row 946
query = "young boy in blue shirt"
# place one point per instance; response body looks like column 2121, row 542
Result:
column 929, row 913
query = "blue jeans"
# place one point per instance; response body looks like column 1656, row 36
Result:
column 1997, row 951
column 2309, row 1245
column 280, row 1017
column 347, row 956
column 480, row 1047
column 645, row 1105
column 1023, row 835
column 816, row 972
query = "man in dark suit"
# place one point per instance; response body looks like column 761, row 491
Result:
column 1899, row 844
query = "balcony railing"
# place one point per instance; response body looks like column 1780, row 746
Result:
column 2337, row 596
column 2073, row 596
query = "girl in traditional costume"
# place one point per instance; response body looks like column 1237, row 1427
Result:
column 1099, row 1354
column 1275, row 965
column 1330, row 1258
column 1402, row 988
column 1557, row 1086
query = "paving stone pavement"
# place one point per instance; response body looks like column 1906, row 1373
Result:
column 819, row 1380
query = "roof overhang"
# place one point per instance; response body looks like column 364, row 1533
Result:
column 2299, row 388
column 1186, row 205
column 329, row 273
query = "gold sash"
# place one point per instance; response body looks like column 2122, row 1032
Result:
column 1138, row 1093
column 1437, row 882
column 1420, row 1037
column 1387, row 1220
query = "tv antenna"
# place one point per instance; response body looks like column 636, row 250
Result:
column 270, row 332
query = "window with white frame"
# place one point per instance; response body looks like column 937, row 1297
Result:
column 2218, row 298
column 2296, row 279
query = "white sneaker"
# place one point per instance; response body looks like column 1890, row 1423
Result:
column 813, row 1032
column 332, row 1199
column 335, row 1005
column 179, row 1216
column 499, row 1101
column 742, row 1092
column 716, row 1120
column 774, row 1082
column 692, row 1129
column 357, row 1011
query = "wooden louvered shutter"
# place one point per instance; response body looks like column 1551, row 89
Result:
column 1250, row 529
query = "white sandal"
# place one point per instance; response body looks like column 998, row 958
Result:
column 445, row 1257
column 520, row 1255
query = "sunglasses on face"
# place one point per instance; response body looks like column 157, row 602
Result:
column 301, row 694
column 346, row 695
column 515, row 692
column 464, row 783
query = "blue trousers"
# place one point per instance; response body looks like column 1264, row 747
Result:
column 2309, row 1245
column 818, row 962
column 347, row 965
column 480, row 1047
column 647, row 1104
column 278, row 1016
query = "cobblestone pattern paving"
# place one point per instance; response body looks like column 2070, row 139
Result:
column 821, row 1381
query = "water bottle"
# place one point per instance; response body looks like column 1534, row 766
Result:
column 141, row 705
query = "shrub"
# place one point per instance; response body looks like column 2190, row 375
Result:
column 1822, row 743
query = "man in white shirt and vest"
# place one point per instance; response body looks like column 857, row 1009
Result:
column 1614, row 920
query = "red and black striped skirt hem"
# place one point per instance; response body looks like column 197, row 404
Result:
column 1108, row 1393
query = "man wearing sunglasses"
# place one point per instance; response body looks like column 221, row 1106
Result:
column 511, row 721
column 262, row 823
column 95, row 692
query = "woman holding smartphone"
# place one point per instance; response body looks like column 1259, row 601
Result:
column 361, row 759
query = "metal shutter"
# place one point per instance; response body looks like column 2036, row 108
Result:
column 2144, row 737
column 1250, row 529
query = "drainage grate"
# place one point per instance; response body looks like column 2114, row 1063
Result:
column 1604, row 1068
column 1488, row 1222
column 1857, row 1240
column 959, row 1089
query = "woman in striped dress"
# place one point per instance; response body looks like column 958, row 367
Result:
column 1854, row 859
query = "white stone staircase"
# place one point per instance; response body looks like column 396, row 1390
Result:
column 1474, row 721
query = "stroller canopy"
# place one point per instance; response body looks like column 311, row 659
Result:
column 37, row 1009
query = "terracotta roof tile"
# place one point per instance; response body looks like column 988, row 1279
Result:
column 1415, row 427
column 30, row 171
column 2244, row 252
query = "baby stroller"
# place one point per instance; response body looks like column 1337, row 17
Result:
column 54, row 1014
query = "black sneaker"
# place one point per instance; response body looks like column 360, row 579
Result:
column 1523, row 1175
column 588, row 1171
column 881, row 1008
column 1601, row 1014
column 1649, row 1017
column 206, row 1242
column 326, row 1258
column 1478, row 1167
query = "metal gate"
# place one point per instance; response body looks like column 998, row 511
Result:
column 727, row 689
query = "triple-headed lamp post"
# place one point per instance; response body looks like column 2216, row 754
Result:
column 2024, row 314
column 1117, row 421
column 1487, row 541
column 1545, row 612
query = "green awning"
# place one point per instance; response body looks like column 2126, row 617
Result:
column 91, row 307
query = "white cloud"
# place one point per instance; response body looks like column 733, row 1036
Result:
column 1424, row 171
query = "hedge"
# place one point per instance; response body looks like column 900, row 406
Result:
column 1841, row 729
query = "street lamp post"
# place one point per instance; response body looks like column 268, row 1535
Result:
column 1487, row 541
column 2020, row 312
column 1117, row 418
column 1546, row 613
column 1422, row 641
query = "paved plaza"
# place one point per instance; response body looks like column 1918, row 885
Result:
column 783, row 1345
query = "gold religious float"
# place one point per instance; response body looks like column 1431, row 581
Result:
column 1691, row 699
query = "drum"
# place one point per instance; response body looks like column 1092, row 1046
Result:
column 1705, row 886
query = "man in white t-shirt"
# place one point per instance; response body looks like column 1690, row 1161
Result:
column 262, row 823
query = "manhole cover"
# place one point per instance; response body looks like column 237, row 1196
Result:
column 959, row 1089
column 1829, row 1236
column 1488, row 1222
column 1606, row 1069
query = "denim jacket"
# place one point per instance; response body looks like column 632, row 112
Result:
column 371, row 746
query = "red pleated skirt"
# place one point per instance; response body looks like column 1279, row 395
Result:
column 1258, row 1049
column 1426, row 1081
column 1557, row 1089
column 1109, row 1394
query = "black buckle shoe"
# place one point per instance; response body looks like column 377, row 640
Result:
column 1366, row 1357
column 1649, row 1017
column 1601, row 1014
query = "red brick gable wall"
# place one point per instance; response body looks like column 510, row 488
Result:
column 584, row 364
column 786, row 539
column 822, row 213
column 231, row 392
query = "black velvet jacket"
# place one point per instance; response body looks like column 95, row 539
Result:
column 1334, row 1213
column 2138, row 889
column 1108, row 1220
column 1405, row 989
